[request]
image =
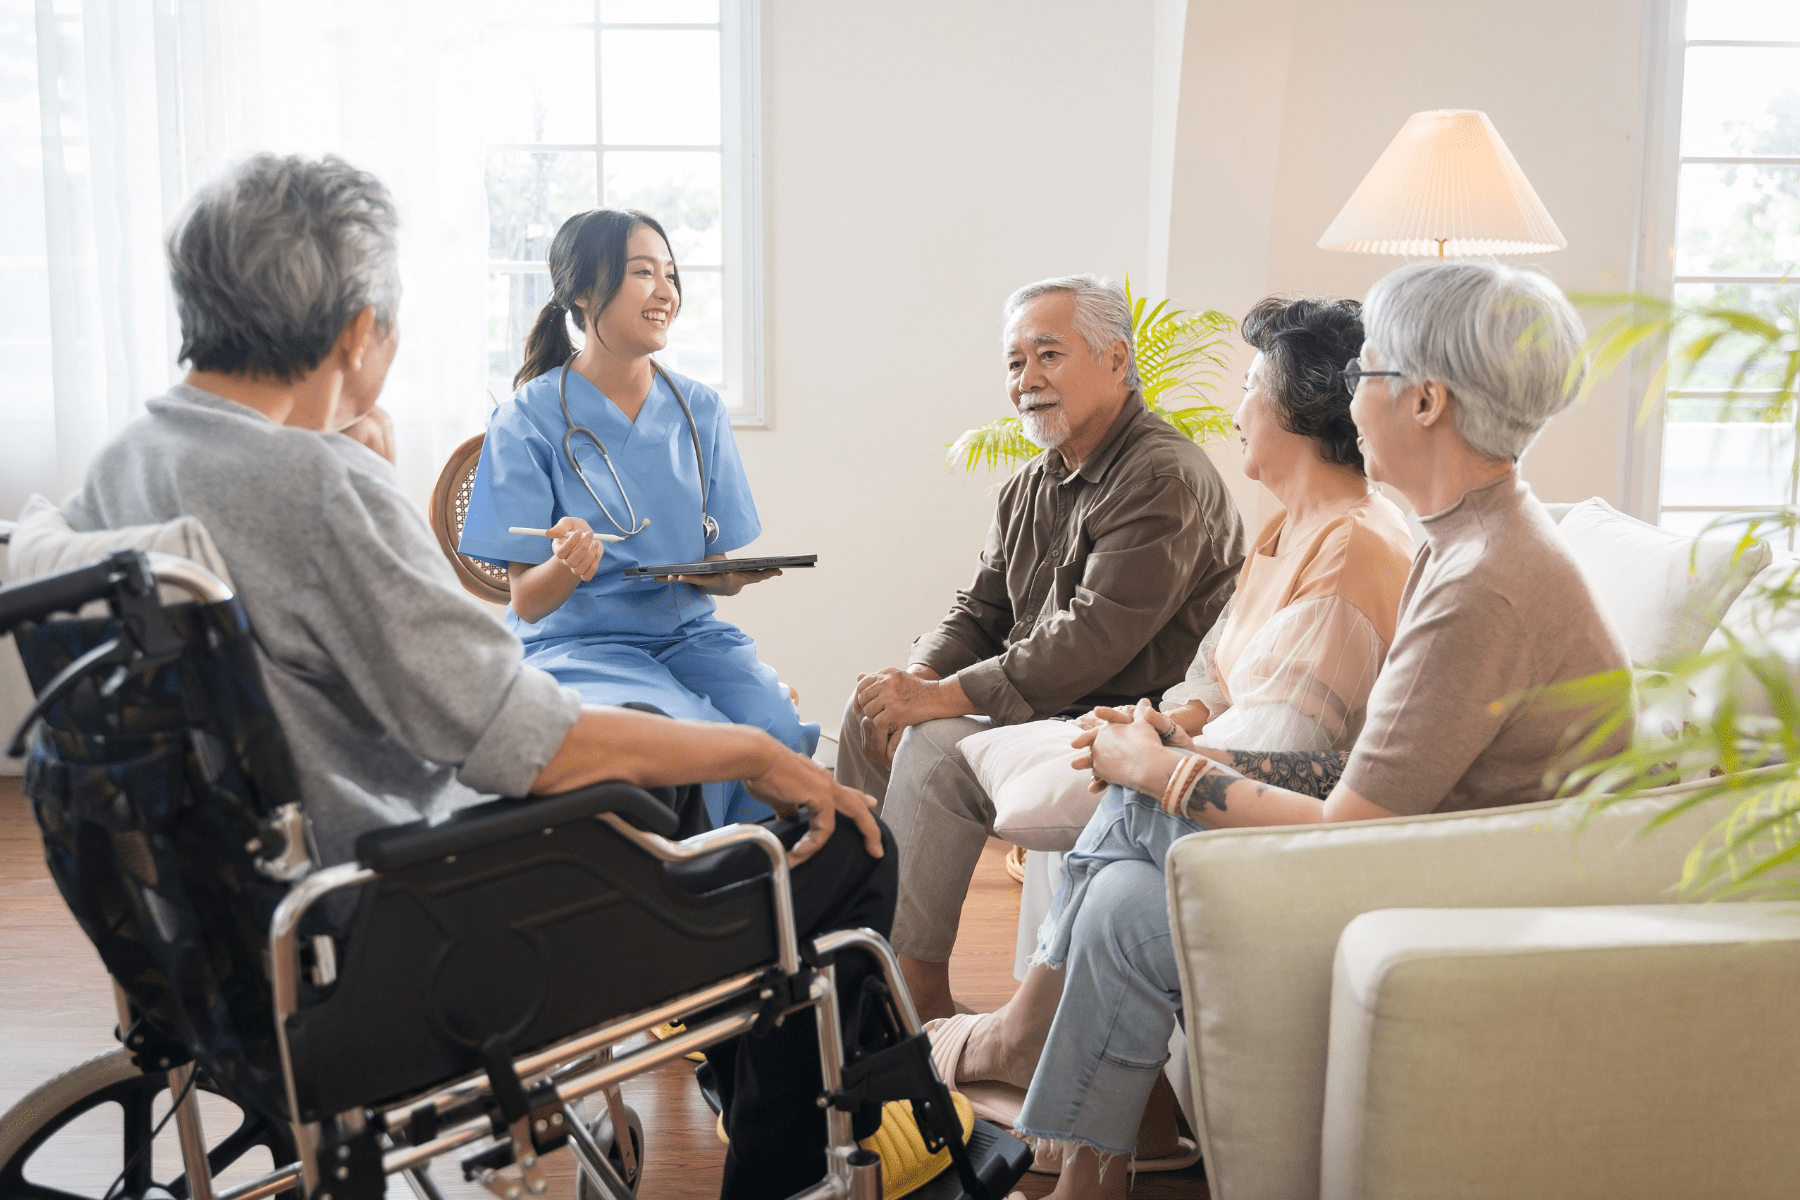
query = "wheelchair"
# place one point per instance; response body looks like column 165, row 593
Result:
column 455, row 992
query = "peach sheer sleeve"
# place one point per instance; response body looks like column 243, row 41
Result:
column 1303, row 681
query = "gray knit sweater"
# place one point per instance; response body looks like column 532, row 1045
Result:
column 399, row 695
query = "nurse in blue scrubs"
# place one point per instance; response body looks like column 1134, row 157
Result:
column 604, row 441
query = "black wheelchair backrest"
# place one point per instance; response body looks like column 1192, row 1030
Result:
column 166, row 796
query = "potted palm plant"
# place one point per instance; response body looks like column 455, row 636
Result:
column 1181, row 358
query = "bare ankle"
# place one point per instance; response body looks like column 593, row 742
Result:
column 1083, row 1179
column 1026, row 1018
column 929, row 985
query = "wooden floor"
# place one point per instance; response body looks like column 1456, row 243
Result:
column 56, row 1010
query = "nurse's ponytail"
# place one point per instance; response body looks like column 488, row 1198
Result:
column 547, row 346
column 587, row 266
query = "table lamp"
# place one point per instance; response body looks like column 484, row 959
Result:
column 1448, row 184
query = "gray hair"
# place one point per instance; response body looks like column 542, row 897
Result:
column 1102, row 314
column 270, row 263
column 1505, row 342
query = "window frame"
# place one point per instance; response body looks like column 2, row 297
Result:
column 740, row 189
column 1664, row 58
column 1666, row 47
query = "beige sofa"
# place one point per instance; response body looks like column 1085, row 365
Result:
column 1500, row 1003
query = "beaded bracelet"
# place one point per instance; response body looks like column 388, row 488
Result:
column 1187, row 772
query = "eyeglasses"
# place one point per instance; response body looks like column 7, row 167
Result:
column 1354, row 374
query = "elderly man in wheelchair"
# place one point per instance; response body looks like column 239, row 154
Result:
column 260, row 771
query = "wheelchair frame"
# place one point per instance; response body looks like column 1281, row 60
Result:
column 470, row 1111
column 585, row 1064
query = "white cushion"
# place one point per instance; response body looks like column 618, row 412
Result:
column 1644, row 1051
column 43, row 544
column 1040, row 801
column 1664, row 591
column 1764, row 618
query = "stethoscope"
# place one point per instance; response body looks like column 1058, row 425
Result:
column 708, row 526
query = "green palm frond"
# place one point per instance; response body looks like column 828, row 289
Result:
column 989, row 445
column 1755, row 354
column 1181, row 360
column 1695, row 715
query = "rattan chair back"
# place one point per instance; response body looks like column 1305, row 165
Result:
column 449, row 509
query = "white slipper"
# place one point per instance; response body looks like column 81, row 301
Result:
column 948, row 1037
column 991, row 1099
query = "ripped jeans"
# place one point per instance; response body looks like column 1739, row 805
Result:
column 1108, row 933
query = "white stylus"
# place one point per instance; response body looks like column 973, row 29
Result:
column 605, row 537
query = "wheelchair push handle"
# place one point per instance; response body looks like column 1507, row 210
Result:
column 67, row 592
column 124, row 575
column 127, row 580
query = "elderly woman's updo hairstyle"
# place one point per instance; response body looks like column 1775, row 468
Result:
column 1505, row 343
column 1305, row 344
column 587, row 267
column 270, row 264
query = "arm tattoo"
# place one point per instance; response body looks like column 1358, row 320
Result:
column 1211, row 787
column 1307, row 772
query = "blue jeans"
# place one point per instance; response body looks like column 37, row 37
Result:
column 1108, row 932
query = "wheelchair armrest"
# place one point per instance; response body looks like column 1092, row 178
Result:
column 405, row 845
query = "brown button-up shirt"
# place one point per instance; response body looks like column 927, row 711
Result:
column 1095, row 586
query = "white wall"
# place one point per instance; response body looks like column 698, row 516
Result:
column 920, row 163
column 916, row 170
column 1287, row 103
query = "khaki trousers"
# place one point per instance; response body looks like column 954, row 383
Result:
column 940, row 819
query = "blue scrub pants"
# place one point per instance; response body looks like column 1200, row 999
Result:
column 708, row 671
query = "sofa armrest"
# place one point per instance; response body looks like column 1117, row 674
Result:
column 1256, row 915
column 1643, row 1051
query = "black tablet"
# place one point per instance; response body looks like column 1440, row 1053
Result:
column 719, row 566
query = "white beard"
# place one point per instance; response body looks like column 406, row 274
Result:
column 1046, row 429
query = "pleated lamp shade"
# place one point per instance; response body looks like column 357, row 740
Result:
column 1446, row 185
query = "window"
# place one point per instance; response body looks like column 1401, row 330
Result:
column 1738, row 242
column 647, row 104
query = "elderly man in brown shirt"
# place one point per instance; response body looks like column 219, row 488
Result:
column 1109, row 558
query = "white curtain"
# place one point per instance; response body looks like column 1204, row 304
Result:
column 113, row 111
column 132, row 104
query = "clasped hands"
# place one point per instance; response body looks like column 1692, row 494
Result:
column 1134, row 747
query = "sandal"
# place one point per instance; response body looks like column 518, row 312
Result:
column 992, row 1100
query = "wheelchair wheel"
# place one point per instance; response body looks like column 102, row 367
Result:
column 603, row 1134
column 49, row 1140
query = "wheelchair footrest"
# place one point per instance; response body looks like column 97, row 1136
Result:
column 999, row 1159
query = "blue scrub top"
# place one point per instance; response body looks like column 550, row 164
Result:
column 524, row 479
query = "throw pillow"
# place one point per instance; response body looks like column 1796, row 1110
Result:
column 1664, row 591
column 1040, row 801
